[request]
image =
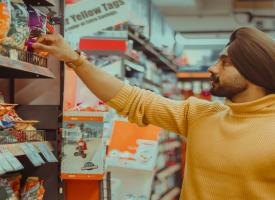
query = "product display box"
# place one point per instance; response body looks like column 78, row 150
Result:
column 83, row 147
column 133, row 147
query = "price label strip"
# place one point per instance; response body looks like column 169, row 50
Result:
column 33, row 149
column 13, row 161
column 46, row 152
column 32, row 155
column 2, row 171
column 5, row 164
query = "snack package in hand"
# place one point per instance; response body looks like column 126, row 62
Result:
column 33, row 189
column 37, row 25
column 19, row 31
column 5, row 18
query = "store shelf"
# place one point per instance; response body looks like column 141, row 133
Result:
column 134, row 66
column 152, row 83
column 17, row 69
column 128, row 57
column 169, row 146
column 198, row 75
column 17, row 151
column 173, row 193
column 153, row 54
column 168, row 171
column 40, row 2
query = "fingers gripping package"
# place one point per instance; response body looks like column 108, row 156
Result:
column 21, row 25
column 37, row 26
column 39, row 23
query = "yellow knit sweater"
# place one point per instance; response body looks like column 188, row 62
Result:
column 230, row 148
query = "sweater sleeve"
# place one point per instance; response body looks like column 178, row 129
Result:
column 144, row 107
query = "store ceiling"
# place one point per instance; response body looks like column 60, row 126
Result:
column 216, row 18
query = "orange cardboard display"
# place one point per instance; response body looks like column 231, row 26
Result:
column 125, row 136
column 82, row 189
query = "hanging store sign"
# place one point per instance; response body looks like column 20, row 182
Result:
column 87, row 17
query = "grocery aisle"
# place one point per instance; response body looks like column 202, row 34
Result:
column 59, row 141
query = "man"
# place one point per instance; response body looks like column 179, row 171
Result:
column 231, row 146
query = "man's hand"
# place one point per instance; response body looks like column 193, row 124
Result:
column 56, row 46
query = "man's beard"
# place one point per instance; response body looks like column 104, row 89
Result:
column 228, row 90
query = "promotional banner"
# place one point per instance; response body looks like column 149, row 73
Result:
column 87, row 17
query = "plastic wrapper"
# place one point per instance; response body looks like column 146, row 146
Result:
column 14, row 182
column 5, row 18
column 5, row 108
column 33, row 189
column 37, row 25
column 18, row 32
column 25, row 125
column 6, row 191
column 6, row 124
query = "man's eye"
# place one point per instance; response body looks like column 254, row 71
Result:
column 226, row 62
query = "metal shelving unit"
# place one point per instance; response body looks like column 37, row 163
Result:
column 140, row 42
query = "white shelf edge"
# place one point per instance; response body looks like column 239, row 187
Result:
column 17, row 151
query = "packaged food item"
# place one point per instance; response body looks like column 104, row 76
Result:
column 5, row 18
column 4, row 108
column 33, row 189
column 6, row 191
column 14, row 182
column 37, row 25
column 18, row 32
column 6, row 121
column 6, row 124
column 25, row 125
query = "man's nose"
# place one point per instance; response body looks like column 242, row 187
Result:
column 213, row 69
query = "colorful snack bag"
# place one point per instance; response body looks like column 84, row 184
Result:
column 18, row 32
column 14, row 182
column 5, row 18
column 6, row 191
column 37, row 25
column 33, row 189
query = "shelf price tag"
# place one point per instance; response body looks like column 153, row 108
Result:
column 44, row 149
column 33, row 156
column 5, row 165
column 13, row 161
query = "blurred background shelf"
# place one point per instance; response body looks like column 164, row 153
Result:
column 153, row 54
column 199, row 75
